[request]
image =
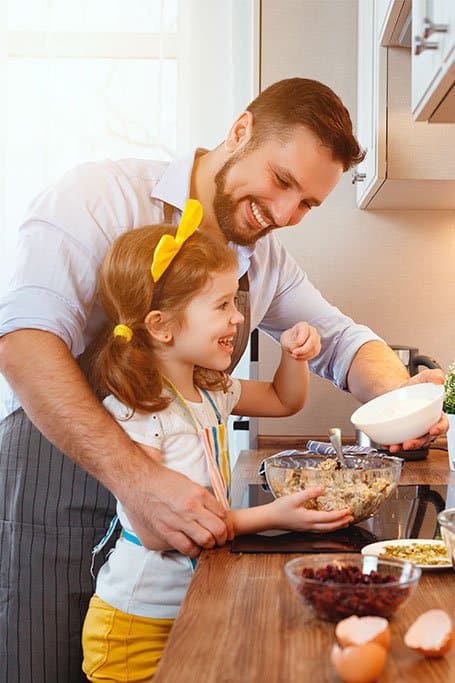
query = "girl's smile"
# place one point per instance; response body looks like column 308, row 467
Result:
column 227, row 344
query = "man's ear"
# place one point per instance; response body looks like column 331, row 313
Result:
column 159, row 326
column 240, row 132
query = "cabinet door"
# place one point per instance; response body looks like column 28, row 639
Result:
column 371, row 100
column 433, row 41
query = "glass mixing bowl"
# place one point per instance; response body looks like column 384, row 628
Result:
column 362, row 487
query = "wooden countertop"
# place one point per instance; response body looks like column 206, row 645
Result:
column 240, row 622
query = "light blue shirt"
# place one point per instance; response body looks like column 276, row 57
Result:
column 70, row 226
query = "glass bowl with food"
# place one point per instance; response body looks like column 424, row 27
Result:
column 362, row 486
column 332, row 589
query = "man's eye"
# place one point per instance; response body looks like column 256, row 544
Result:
column 306, row 205
column 224, row 305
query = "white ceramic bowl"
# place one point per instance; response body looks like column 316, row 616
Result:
column 402, row 414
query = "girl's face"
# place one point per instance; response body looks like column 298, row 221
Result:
column 206, row 335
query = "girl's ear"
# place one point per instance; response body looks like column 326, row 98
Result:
column 240, row 133
column 159, row 326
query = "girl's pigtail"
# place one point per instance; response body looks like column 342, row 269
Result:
column 125, row 368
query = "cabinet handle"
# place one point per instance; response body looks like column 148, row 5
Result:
column 421, row 45
column 429, row 28
column 358, row 177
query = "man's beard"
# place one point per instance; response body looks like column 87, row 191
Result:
column 224, row 208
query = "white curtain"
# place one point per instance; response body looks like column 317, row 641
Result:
column 91, row 79
column 84, row 80
column 218, row 67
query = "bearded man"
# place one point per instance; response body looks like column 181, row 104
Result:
column 62, row 455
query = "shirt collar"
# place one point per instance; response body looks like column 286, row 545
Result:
column 243, row 255
column 174, row 185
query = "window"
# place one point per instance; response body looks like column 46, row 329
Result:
column 91, row 79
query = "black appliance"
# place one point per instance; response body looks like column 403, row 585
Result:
column 410, row 512
column 413, row 360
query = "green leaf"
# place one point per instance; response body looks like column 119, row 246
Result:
column 449, row 390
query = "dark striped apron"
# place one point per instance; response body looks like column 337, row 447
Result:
column 52, row 513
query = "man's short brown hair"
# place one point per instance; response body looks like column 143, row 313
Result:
column 302, row 101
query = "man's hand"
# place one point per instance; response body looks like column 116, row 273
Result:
column 178, row 515
column 438, row 429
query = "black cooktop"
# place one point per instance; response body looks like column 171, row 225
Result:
column 409, row 513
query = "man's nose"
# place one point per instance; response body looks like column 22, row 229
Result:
column 288, row 211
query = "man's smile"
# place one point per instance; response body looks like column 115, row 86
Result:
column 260, row 218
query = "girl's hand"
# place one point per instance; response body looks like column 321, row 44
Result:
column 289, row 513
column 302, row 341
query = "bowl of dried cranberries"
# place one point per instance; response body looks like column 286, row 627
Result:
column 351, row 584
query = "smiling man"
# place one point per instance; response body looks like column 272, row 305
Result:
column 265, row 186
column 61, row 452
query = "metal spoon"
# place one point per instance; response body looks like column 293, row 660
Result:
column 335, row 440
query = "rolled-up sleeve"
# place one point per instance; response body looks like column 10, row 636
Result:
column 60, row 247
column 295, row 298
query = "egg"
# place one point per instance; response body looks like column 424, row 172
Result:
column 431, row 634
column 359, row 663
column 360, row 630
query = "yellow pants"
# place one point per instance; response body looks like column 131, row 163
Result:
column 120, row 647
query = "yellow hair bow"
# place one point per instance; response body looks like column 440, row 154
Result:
column 169, row 246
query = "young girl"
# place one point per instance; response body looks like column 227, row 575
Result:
column 170, row 296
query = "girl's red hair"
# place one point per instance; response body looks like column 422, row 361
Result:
column 127, row 369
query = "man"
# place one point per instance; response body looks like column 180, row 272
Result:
column 280, row 159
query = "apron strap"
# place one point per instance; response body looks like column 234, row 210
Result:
column 212, row 403
column 243, row 333
column 215, row 444
column 168, row 212
column 100, row 545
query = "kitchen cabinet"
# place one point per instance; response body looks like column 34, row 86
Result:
column 433, row 60
column 409, row 164
column 396, row 27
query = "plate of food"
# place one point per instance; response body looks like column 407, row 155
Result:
column 426, row 553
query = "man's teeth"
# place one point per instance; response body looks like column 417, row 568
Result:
column 258, row 216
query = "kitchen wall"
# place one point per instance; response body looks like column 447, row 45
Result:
column 392, row 270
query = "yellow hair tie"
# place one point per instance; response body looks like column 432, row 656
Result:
column 123, row 331
column 169, row 246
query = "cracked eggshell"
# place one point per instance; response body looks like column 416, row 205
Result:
column 359, row 663
column 431, row 634
column 360, row 630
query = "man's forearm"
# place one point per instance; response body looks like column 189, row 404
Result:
column 375, row 370
column 58, row 399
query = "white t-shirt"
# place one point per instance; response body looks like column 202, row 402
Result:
column 145, row 582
